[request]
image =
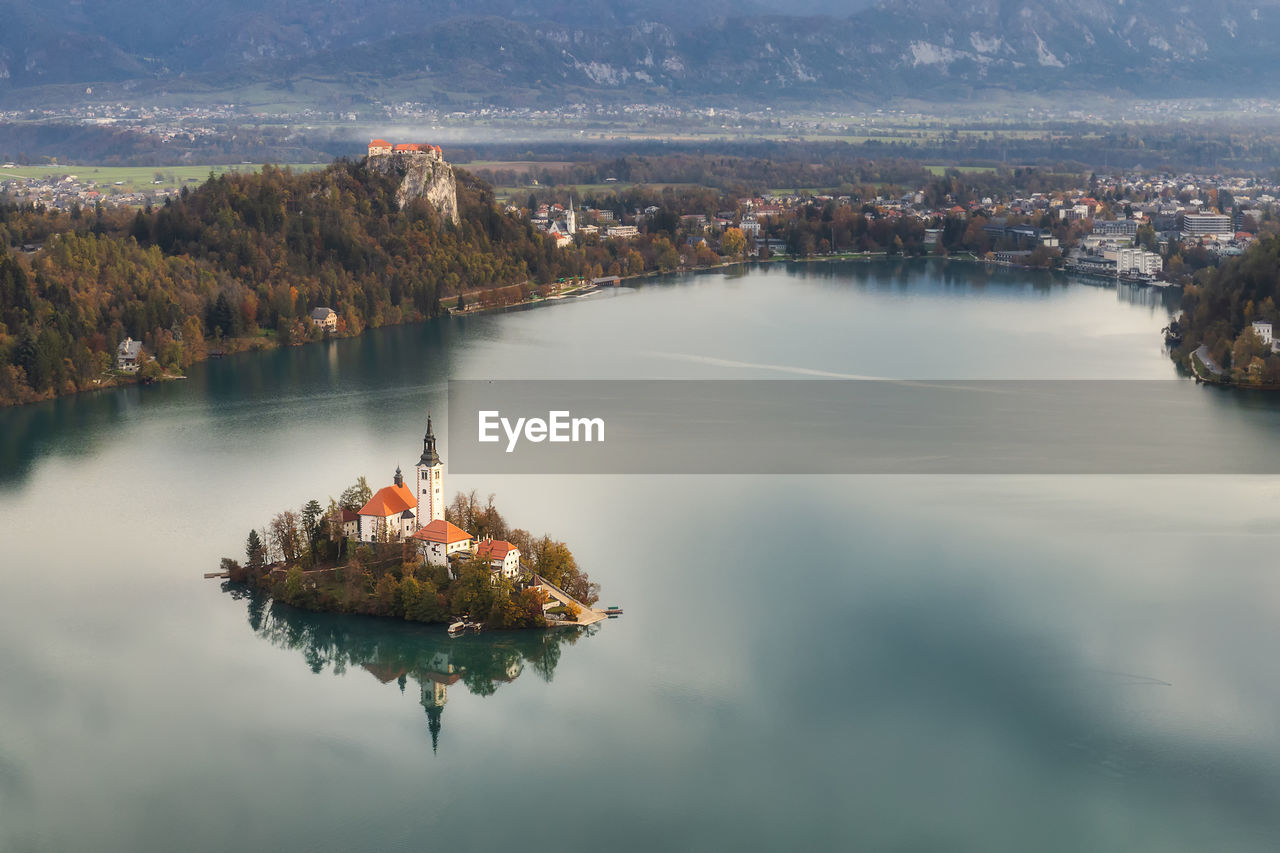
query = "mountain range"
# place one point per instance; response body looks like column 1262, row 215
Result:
column 451, row 52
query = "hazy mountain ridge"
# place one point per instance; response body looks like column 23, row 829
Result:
column 515, row 50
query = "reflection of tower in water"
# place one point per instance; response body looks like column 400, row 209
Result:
column 434, row 695
column 435, row 681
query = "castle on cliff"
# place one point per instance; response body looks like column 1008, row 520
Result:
column 378, row 147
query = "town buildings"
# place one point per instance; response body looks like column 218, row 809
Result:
column 1214, row 225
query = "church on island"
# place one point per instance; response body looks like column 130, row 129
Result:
column 400, row 513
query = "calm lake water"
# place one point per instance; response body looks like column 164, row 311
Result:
column 905, row 663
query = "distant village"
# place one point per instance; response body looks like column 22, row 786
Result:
column 1139, row 222
column 64, row 188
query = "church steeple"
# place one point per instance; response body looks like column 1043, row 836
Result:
column 430, row 457
column 399, row 478
column 430, row 483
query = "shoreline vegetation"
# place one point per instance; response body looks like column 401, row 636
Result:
column 241, row 263
column 305, row 559
column 152, row 371
column 1224, row 332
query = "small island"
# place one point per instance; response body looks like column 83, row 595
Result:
column 402, row 553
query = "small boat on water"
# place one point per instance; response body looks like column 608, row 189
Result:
column 613, row 611
column 457, row 628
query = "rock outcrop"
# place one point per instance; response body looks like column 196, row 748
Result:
column 423, row 174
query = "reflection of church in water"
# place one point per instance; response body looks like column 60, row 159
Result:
column 434, row 662
column 435, row 676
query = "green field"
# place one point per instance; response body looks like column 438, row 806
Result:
column 137, row 178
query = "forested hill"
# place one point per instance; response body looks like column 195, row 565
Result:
column 240, row 262
column 1220, row 308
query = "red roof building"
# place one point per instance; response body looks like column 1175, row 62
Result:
column 502, row 556
column 440, row 540
column 390, row 515
column 390, row 500
column 443, row 532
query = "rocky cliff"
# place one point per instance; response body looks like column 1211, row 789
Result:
column 423, row 174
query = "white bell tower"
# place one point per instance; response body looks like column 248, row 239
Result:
column 430, row 483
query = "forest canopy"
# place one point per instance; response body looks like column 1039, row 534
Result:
column 241, row 262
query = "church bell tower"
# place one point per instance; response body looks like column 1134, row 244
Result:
column 430, row 486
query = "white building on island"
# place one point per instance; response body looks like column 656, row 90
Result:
column 396, row 512
column 502, row 556
column 439, row 540
column 390, row 515
column 415, row 515
column 430, row 483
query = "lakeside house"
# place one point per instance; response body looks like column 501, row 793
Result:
column 1263, row 330
column 325, row 318
column 129, row 355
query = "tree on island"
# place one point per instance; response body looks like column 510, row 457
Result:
column 356, row 496
column 286, row 538
column 311, row 513
column 253, row 550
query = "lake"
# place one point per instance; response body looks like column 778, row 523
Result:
column 842, row 662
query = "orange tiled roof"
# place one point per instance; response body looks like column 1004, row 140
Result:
column 390, row 500
column 494, row 549
column 379, row 143
column 442, row 531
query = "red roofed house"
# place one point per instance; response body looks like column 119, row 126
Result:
column 345, row 523
column 439, row 539
column 391, row 514
column 502, row 556
column 379, row 146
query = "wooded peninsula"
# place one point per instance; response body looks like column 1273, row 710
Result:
column 1228, row 316
column 242, row 261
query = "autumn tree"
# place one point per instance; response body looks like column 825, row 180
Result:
column 356, row 496
column 286, row 538
column 734, row 243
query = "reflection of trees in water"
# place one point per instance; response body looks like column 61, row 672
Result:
column 400, row 652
